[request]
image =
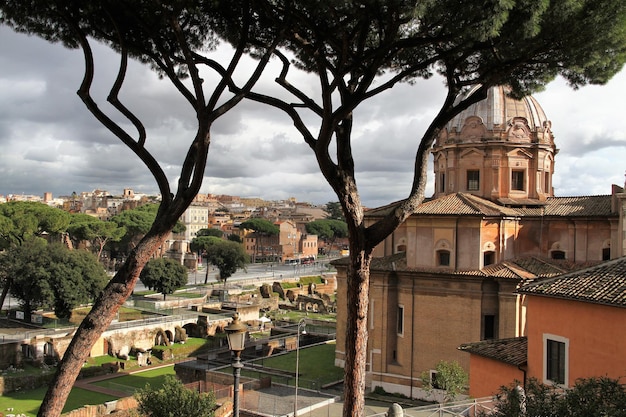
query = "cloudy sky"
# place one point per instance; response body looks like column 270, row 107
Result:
column 50, row 142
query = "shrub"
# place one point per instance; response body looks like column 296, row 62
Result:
column 173, row 399
column 588, row 397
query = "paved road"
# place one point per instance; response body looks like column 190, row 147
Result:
column 266, row 270
column 252, row 271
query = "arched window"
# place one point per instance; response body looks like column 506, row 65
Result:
column 489, row 258
column 401, row 248
column 557, row 254
column 443, row 253
column 606, row 250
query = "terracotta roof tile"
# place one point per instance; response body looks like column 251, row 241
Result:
column 463, row 204
column 460, row 204
column 583, row 206
column 526, row 268
column 505, row 270
column 513, row 351
column 450, row 204
column 602, row 284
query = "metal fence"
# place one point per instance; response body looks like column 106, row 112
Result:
column 464, row 408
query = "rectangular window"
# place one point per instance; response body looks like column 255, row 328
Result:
column 555, row 359
column 442, row 182
column 489, row 327
column 473, row 180
column 555, row 366
column 434, row 381
column 443, row 258
column 400, row 321
column 517, row 180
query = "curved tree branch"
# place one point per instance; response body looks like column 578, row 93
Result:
column 113, row 96
column 85, row 95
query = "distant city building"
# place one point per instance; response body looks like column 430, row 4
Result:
column 220, row 212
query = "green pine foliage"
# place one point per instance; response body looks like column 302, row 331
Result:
column 164, row 275
column 52, row 276
column 173, row 399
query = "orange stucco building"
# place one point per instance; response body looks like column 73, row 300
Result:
column 576, row 328
column 289, row 244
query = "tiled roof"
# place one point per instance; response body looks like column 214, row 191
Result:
column 603, row 284
column 527, row 268
column 513, row 351
column 462, row 204
column 583, row 206
column 507, row 269
column 546, row 267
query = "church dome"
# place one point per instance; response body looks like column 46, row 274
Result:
column 500, row 148
column 499, row 118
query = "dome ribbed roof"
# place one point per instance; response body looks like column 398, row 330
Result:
column 498, row 112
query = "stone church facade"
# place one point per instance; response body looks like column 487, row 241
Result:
column 449, row 273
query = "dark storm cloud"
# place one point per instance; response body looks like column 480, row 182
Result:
column 50, row 142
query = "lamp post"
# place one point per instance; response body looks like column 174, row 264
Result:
column 236, row 333
column 301, row 324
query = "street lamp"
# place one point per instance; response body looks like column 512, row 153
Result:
column 236, row 333
column 301, row 324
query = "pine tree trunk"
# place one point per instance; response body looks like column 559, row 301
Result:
column 96, row 322
column 5, row 291
column 356, row 332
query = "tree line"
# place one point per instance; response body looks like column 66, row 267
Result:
column 39, row 270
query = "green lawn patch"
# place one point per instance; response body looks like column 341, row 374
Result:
column 316, row 363
column 28, row 402
column 194, row 342
column 316, row 367
column 99, row 360
column 315, row 279
column 188, row 295
column 129, row 383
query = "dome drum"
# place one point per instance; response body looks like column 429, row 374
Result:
column 516, row 133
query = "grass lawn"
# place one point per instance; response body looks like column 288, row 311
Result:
column 99, row 360
column 129, row 383
column 184, row 294
column 316, row 366
column 28, row 402
column 316, row 363
column 198, row 342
